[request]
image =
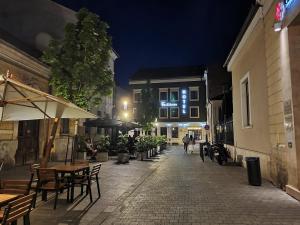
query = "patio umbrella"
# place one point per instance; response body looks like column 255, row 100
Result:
column 103, row 123
column 19, row 101
column 130, row 125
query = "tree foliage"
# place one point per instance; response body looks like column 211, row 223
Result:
column 147, row 110
column 79, row 62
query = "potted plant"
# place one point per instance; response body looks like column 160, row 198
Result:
column 161, row 143
column 102, row 145
column 141, row 147
column 123, row 153
column 80, row 148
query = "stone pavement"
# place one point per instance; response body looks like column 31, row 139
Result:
column 174, row 189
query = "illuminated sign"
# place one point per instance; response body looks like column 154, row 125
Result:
column 288, row 3
column 279, row 11
column 169, row 104
column 184, row 101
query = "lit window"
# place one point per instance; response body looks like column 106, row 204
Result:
column 163, row 113
column 174, row 112
column 174, row 94
column 137, row 96
column 194, row 112
column 163, row 94
column 245, row 101
column 194, row 93
column 174, row 132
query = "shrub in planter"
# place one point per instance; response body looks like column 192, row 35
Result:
column 123, row 153
column 80, row 147
column 102, row 144
column 142, row 147
column 162, row 142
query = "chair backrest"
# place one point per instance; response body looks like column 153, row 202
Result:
column 46, row 175
column 17, row 209
column 33, row 170
column 21, row 187
column 96, row 169
column 80, row 162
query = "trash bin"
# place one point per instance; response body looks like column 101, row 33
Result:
column 253, row 169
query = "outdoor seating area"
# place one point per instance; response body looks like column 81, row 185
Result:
column 19, row 197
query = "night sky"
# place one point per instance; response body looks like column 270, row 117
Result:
column 158, row 33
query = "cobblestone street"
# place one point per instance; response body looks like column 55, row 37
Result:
column 177, row 189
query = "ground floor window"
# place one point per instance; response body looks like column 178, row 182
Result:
column 163, row 131
column 174, row 132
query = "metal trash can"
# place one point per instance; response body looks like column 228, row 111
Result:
column 253, row 169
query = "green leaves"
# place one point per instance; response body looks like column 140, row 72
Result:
column 80, row 62
column 147, row 110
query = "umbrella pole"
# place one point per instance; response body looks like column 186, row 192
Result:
column 49, row 144
column 66, row 157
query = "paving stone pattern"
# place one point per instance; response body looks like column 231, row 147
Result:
column 175, row 189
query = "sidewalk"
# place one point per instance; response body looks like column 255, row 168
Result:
column 174, row 188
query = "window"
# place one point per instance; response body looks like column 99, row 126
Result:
column 99, row 130
column 174, row 132
column 163, row 113
column 64, row 128
column 163, row 94
column 99, row 113
column 194, row 93
column 174, row 94
column 194, row 112
column 137, row 96
column 174, row 112
column 245, row 101
column 163, row 131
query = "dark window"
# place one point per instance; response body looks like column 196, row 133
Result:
column 247, row 103
column 175, row 132
column 163, row 131
column 163, row 96
column 174, row 96
column 194, row 95
column 99, row 113
column 99, row 130
column 163, row 113
column 194, row 112
column 64, row 128
column 174, row 112
column 137, row 97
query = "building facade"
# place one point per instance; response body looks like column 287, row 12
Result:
column 25, row 31
column 265, row 79
column 180, row 96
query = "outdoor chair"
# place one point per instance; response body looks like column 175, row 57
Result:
column 48, row 181
column 34, row 176
column 17, row 209
column 88, row 179
column 18, row 187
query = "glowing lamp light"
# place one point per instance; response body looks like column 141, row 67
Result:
column 277, row 27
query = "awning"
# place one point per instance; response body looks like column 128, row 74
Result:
column 103, row 123
column 19, row 101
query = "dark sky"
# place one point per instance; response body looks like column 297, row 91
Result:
column 155, row 33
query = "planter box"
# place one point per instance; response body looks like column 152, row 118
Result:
column 102, row 156
column 142, row 155
column 123, row 157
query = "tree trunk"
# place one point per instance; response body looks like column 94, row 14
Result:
column 48, row 146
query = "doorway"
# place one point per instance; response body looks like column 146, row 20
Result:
column 28, row 142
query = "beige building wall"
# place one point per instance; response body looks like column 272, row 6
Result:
column 253, row 140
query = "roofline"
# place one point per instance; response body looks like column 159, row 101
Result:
column 253, row 11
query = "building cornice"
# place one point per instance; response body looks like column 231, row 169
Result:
column 160, row 81
column 15, row 56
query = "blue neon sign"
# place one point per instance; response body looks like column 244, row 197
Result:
column 184, row 98
column 288, row 3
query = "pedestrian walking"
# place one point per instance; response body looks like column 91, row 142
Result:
column 192, row 143
column 185, row 141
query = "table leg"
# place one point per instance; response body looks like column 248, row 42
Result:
column 72, row 186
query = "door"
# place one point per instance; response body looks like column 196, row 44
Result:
column 28, row 142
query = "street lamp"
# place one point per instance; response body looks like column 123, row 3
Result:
column 125, row 105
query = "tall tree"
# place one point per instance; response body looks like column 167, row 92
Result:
column 147, row 110
column 79, row 62
column 79, row 65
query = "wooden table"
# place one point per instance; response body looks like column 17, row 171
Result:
column 6, row 198
column 72, row 170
